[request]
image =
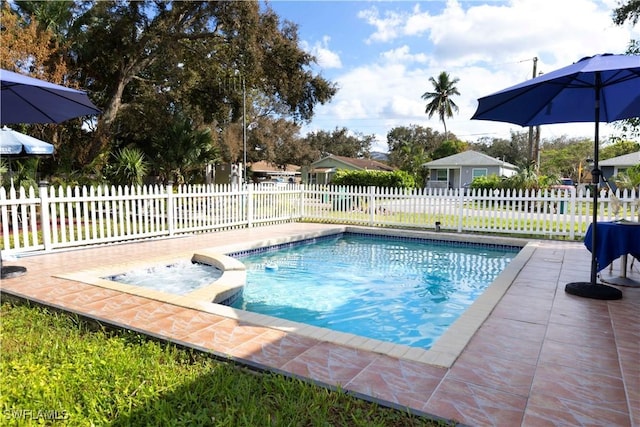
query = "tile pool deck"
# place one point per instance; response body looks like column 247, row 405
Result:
column 541, row 357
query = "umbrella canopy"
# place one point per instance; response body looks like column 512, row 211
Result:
column 568, row 95
column 24, row 99
column 16, row 144
column 594, row 89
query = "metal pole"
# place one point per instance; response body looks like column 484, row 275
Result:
column 532, row 158
column 536, row 143
column 244, row 131
column 595, row 179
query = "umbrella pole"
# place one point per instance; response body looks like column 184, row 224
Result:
column 595, row 180
column 593, row 289
column 9, row 271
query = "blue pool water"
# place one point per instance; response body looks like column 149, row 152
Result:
column 405, row 291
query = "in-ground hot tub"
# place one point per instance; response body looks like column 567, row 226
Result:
column 206, row 276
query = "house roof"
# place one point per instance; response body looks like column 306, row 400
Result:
column 365, row 164
column 468, row 158
column 264, row 166
column 631, row 159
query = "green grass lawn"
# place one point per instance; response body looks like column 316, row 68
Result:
column 57, row 369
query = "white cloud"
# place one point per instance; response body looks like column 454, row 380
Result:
column 387, row 28
column 403, row 54
column 551, row 30
column 488, row 46
column 325, row 57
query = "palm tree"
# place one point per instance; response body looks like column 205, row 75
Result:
column 440, row 99
column 183, row 151
column 130, row 167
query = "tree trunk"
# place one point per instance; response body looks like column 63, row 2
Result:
column 101, row 143
column 445, row 130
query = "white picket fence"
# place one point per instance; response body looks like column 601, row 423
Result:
column 49, row 218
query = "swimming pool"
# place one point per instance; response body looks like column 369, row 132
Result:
column 443, row 352
column 400, row 290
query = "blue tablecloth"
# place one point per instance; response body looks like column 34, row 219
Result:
column 614, row 239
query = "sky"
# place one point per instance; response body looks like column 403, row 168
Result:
column 381, row 54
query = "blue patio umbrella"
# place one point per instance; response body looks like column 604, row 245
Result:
column 25, row 99
column 16, row 144
column 597, row 88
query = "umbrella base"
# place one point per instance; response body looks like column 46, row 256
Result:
column 11, row 271
column 594, row 291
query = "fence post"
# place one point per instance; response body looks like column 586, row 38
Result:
column 248, row 190
column 44, row 214
column 301, row 203
column 461, row 197
column 372, row 205
column 170, row 213
column 572, row 219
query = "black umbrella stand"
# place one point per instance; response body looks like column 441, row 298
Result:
column 11, row 271
column 593, row 289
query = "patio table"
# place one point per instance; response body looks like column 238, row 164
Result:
column 615, row 239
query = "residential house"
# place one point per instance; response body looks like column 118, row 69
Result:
column 264, row 171
column 460, row 169
column 615, row 165
column 322, row 171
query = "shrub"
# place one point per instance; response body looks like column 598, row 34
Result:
column 486, row 182
column 364, row 178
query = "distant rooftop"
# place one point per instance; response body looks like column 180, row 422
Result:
column 468, row 158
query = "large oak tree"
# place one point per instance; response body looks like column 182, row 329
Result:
column 149, row 64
